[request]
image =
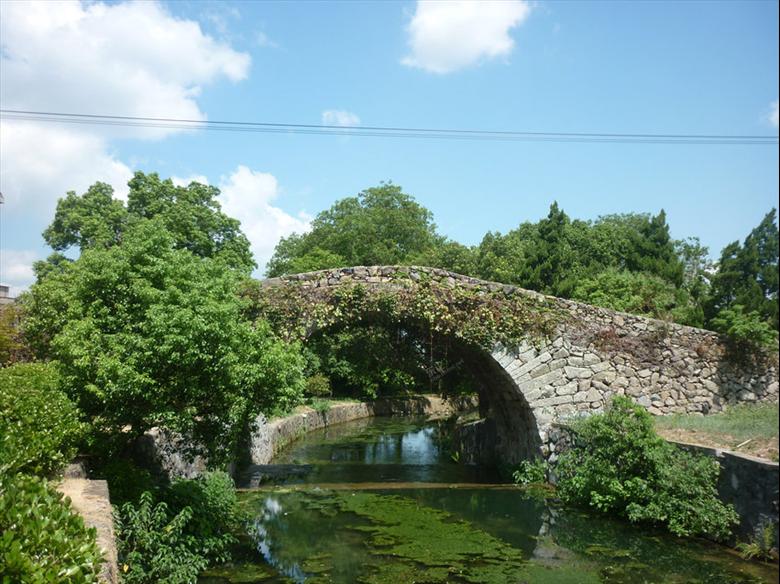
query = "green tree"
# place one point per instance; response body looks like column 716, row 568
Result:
column 637, row 293
column 149, row 334
column 380, row 226
column 89, row 220
column 747, row 274
column 191, row 214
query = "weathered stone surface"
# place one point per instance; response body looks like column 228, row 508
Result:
column 90, row 499
column 665, row 367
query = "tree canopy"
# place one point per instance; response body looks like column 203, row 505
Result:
column 191, row 214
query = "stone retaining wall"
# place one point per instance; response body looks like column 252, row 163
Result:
column 165, row 452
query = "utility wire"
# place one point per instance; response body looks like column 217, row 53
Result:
column 382, row 131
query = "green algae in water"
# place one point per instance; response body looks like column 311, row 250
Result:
column 406, row 537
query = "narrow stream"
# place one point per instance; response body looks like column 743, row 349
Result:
column 380, row 501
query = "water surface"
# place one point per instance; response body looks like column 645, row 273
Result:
column 381, row 501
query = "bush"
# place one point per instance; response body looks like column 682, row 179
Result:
column 152, row 546
column 42, row 540
column 126, row 480
column 317, row 386
column 174, row 540
column 530, row 472
column 619, row 465
column 39, row 425
column 215, row 518
column 746, row 332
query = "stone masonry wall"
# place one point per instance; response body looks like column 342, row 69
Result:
column 595, row 354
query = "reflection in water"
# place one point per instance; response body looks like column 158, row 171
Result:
column 269, row 510
column 358, row 531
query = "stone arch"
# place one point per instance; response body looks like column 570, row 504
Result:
column 592, row 355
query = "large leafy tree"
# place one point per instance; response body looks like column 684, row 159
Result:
column 380, row 226
column 191, row 214
column 747, row 274
column 147, row 333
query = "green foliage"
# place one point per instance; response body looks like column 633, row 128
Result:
column 366, row 362
column 148, row 334
column 94, row 219
column 317, row 385
column 620, row 465
column 553, row 255
column 126, row 480
column 152, row 545
column 637, row 293
column 215, row 518
column 41, row 540
column 747, row 274
column 530, row 472
column 762, row 545
column 380, row 226
column 176, row 539
column 190, row 214
column 747, row 333
column 39, row 425
column 12, row 346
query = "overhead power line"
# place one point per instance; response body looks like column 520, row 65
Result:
column 382, row 131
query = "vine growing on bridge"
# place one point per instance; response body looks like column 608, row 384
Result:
column 475, row 316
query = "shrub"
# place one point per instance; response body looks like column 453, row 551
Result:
column 39, row 425
column 746, row 332
column 126, row 480
column 619, row 465
column 174, row 540
column 42, row 540
column 317, row 386
column 152, row 546
column 761, row 546
column 215, row 518
column 530, row 472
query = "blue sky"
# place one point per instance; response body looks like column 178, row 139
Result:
column 635, row 67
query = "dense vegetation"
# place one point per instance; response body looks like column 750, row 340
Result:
column 619, row 465
column 151, row 320
column 144, row 328
column 42, row 539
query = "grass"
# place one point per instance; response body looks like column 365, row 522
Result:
column 741, row 422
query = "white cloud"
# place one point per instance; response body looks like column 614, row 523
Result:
column 340, row 118
column 41, row 163
column 17, row 269
column 133, row 59
column 246, row 196
column 773, row 114
column 445, row 36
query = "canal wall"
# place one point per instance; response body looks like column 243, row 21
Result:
column 165, row 452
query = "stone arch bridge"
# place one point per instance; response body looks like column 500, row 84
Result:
column 588, row 356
